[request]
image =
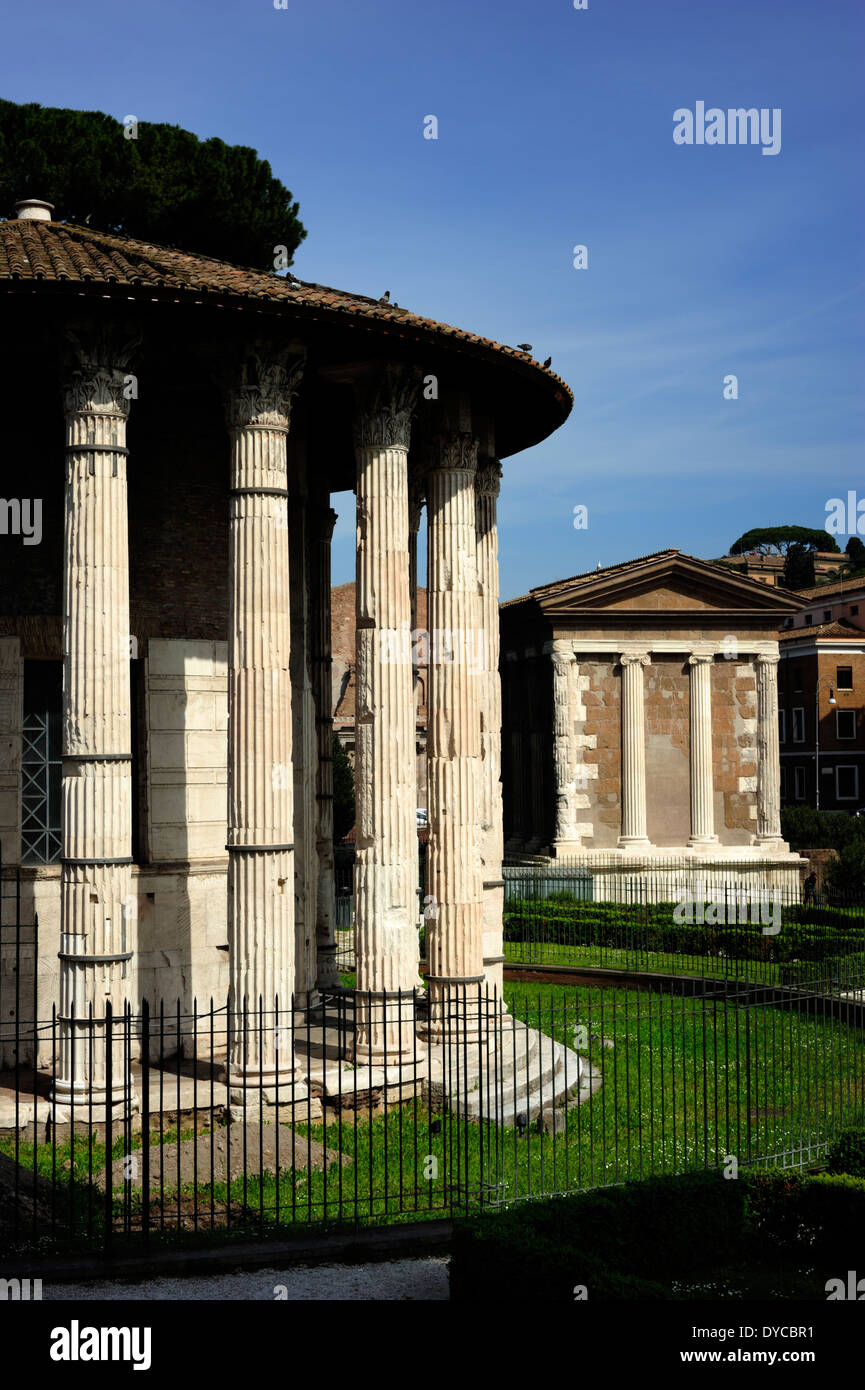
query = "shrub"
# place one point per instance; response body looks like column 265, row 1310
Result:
column 847, row 1154
column 807, row 828
column 845, row 872
column 808, row 933
column 634, row 1241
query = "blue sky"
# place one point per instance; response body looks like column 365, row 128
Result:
column 555, row 128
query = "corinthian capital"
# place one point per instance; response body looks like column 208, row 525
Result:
column 269, row 382
column 457, row 450
column 384, row 410
column 489, row 478
column 98, row 367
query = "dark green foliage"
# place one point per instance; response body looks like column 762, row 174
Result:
column 776, row 540
column 806, row 828
column 799, row 568
column 846, row 872
column 847, row 1154
column 166, row 186
column 343, row 791
column 652, row 1239
column 808, row 933
column 855, row 550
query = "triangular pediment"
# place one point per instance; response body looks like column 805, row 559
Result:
column 671, row 583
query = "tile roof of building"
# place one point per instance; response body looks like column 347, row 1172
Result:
column 840, row 628
column 837, row 590
column 576, row 580
column 58, row 253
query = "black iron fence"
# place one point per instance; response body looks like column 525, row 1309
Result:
column 173, row 1126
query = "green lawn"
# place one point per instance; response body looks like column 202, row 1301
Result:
column 684, row 1087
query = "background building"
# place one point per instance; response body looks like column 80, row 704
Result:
column 640, row 715
column 821, row 693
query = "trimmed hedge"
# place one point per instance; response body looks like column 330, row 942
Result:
column 638, row 1240
column 847, row 1154
column 807, row 933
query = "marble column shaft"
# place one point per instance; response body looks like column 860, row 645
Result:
column 488, row 483
column 323, row 522
column 633, row 751
column 455, row 935
column 564, row 667
column 768, row 749
column 96, row 800
column 702, row 777
column 386, row 844
column 260, row 776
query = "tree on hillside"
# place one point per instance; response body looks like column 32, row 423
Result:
column 799, row 568
column 164, row 185
column 777, row 540
column 855, row 552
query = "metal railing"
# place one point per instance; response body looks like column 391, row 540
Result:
column 209, row 1132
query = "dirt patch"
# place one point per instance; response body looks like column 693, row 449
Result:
column 221, row 1156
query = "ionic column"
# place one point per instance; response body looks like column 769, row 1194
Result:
column 702, row 779
column 386, row 853
column 768, row 752
column 567, row 838
column 633, row 834
column 487, row 485
column 322, row 523
column 260, row 774
column 96, row 799
column 455, row 935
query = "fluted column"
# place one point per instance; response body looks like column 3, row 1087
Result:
column 487, row 484
column 323, row 521
column 567, row 837
column 455, row 935
column 768, row 752
column 702, row 778
column 633, row 834
column 304, row 743
column 386, row 863
column 260, row 775
column 96, row 800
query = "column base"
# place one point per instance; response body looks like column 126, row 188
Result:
column 327, row 976
column 565, row 849
column 634, row 842
column 81, row 1097
column 703, row 842
column 773, row 844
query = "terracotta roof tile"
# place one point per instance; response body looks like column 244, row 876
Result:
column 62, row 251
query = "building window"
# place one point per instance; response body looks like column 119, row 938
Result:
column 782, row 726
column 809, row 618
column 827, row 615
column 784, row 782
column 40, row 762
column 854, row 610
column 844, row 677
column 797, row 677
column 846, row 782
column 799, row 783
column 845, row 723
column 799, row 724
